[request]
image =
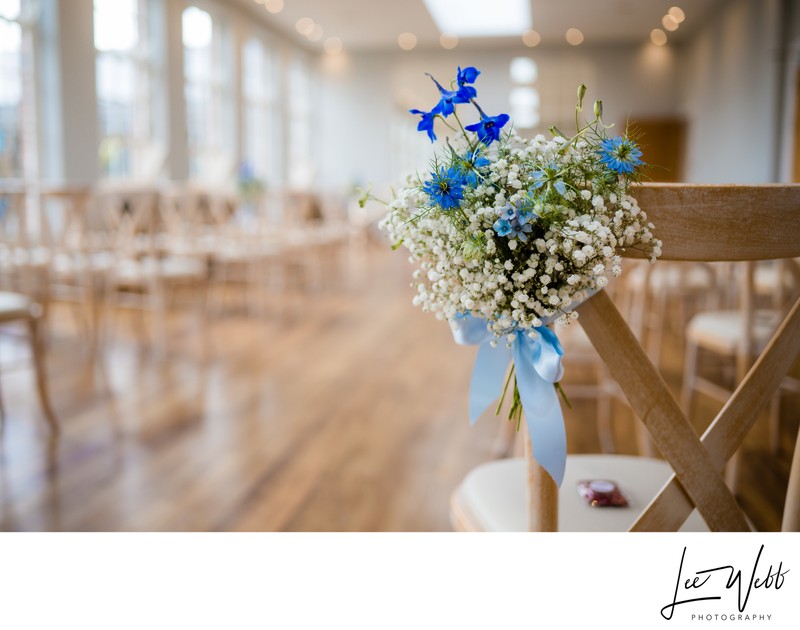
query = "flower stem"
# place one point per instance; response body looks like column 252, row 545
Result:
column 563, row 394
column 505, row 388
column 464, row 131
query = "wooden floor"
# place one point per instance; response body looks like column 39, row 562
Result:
column 340, row 409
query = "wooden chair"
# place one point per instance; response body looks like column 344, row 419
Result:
column 738, row 336
column 78, row 274
column 695, row 223
column 143, row 276
column 24, row 260
column 15, row 307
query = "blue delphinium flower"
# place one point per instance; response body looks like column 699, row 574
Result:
column 620, row 154
column 446, row 187
column 488, row 129
column 548, row 176
column 467, row 75
column 464, row 78
column 426, row 124
column 449, row 98
column 515, row 222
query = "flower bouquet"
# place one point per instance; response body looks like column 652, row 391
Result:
column 509, row 235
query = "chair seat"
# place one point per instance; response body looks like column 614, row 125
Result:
column 767, row 279
column 95, row 264
column 494, row 496
column 722, row 331
column 14, row 306
column 37, row 258
column 131, row 272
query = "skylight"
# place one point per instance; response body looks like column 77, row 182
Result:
column 481, row 18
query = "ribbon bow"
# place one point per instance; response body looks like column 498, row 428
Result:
column 537, row 362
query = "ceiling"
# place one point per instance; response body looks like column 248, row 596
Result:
column 374, row 25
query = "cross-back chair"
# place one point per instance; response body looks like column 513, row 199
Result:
column 739, row 335
column 686, row 489
column 143, row 276
column 24, row 261
column 78, row 274
column 17, row 261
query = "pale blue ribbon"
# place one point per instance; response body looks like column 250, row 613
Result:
column 537, row 362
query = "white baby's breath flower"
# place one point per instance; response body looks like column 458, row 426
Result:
column 543, row 270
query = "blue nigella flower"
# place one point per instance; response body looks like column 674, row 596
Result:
column 470, row 163
column 446, row 187
column 515, row 222
column 549, row 176
column 449, row 98
column 426, row 124
column 488, row 129
column 620, row 154
column 502, row 227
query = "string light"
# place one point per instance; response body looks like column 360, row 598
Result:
column 531, row 38
column 574, row 37
column 658, row 37
column 407, row 41
column 448, row 42
column 677, row 13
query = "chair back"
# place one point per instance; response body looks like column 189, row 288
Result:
column 697, row 223
column 131, row 218
column 13, row 223
column 65, row 226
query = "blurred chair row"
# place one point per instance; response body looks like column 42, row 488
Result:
column 108, row 247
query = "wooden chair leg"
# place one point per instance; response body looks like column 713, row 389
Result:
column 2, row 411
column 96, row 299
column 775, row 423
column 791, row 509
column 605, row 427
column 200, row 300
column 158, row 301
column 689, row 377
column 543, row 499
column 39, row 370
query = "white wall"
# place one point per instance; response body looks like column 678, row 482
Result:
column 729, row 94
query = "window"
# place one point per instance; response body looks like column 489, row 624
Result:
column 11, row 90
column 260, row 90
column 207, row 72
column 127, row 78
column 524, row 98
column 300, row 164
